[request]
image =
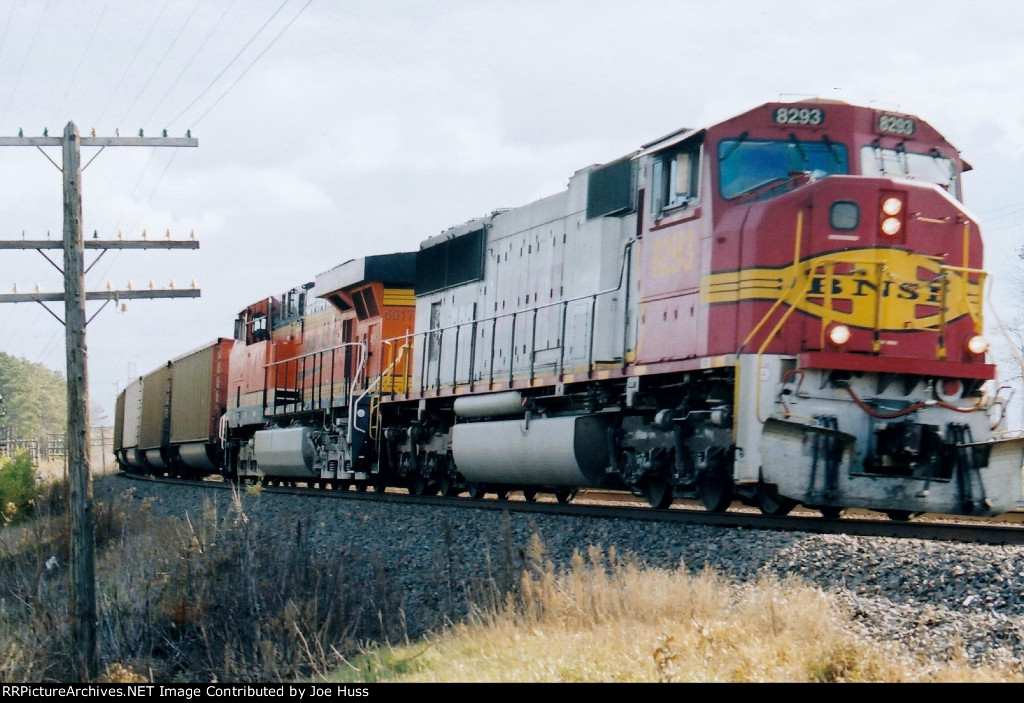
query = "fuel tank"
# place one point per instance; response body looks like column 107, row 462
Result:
column 284, row 451
column 557, row 451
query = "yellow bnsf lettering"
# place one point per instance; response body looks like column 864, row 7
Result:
column 889, row 289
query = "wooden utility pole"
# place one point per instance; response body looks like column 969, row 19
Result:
column 76, row 443
column 83, row 578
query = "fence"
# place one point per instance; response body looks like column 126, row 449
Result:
column 52, row 447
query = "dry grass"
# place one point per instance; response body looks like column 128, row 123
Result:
column 207, row 598
column 212, row 597
column 610, row 620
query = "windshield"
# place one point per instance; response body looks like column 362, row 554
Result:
column 931, row 168
column 746, row 165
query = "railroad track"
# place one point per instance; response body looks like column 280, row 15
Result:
column 1005, row 530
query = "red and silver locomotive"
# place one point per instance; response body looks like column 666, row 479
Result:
column 782, row 308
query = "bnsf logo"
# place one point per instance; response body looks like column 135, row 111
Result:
column 841, row 287
column 885, row 289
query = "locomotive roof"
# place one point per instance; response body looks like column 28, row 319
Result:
column 476, row 224
column 390, row 269
column 850, row 116
column 680, row 135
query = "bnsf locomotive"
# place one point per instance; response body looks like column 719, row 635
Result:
column 782, row 308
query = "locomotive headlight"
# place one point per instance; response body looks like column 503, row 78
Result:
column 891, row 226
column 892, row 206
column 839, row 335
column 977, row 344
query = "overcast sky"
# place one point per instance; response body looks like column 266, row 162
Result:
column 333, row 129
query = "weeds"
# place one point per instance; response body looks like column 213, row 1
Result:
column 214, row 597
column 17, row 488
column 210, row 597
column 605, row 618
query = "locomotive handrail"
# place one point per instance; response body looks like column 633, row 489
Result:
column 318, row 370
column 314, row 353
column 425, row 382
column 771, row 336
column 790, row 296
column 796, row 261
column 370, row 387
column 438, row 334
column 973, row 307
column 976, row 314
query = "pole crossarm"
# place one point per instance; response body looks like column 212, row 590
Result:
column 102, row 295
column 101, row 141
column 102, row 244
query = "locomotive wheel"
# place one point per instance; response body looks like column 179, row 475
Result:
column 529, row 495
column 360, row 487
column 502, row 495
column 902, row 515
column 446, row 486
column 715, row 489
column 769, row 502
column 565, row 495
column 476, row 490
column 831, row 512
column 657, row 492
column 420, row 485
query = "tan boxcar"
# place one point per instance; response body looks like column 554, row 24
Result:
column 199, row 386
column 156, row 395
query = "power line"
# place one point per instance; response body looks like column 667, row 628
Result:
column 161, row 61
column 192, row 58
column 7, row 25
column 85, row 52
column 230, row 63
column 1002, row 212
column 24, row 60
column 103, row 274
column 131, row 64
column 258, row 57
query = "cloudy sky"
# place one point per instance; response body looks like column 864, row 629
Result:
column 333, row 129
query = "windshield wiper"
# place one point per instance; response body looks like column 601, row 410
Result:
column 778, row 180
column 735, row 145
column 831, row 146
column 799, row 146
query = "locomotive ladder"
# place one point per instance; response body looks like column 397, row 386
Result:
column 967, row 464
column 829, row 450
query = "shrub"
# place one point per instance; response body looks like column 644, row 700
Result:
column 17, row 488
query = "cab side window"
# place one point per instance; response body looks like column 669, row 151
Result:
column 675, row 178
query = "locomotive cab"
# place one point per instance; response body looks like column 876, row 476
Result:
column 856, row 297
column 815, row 259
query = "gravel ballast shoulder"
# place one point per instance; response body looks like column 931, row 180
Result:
column 940, row 600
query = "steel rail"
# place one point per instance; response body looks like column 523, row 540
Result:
column 604, row 505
